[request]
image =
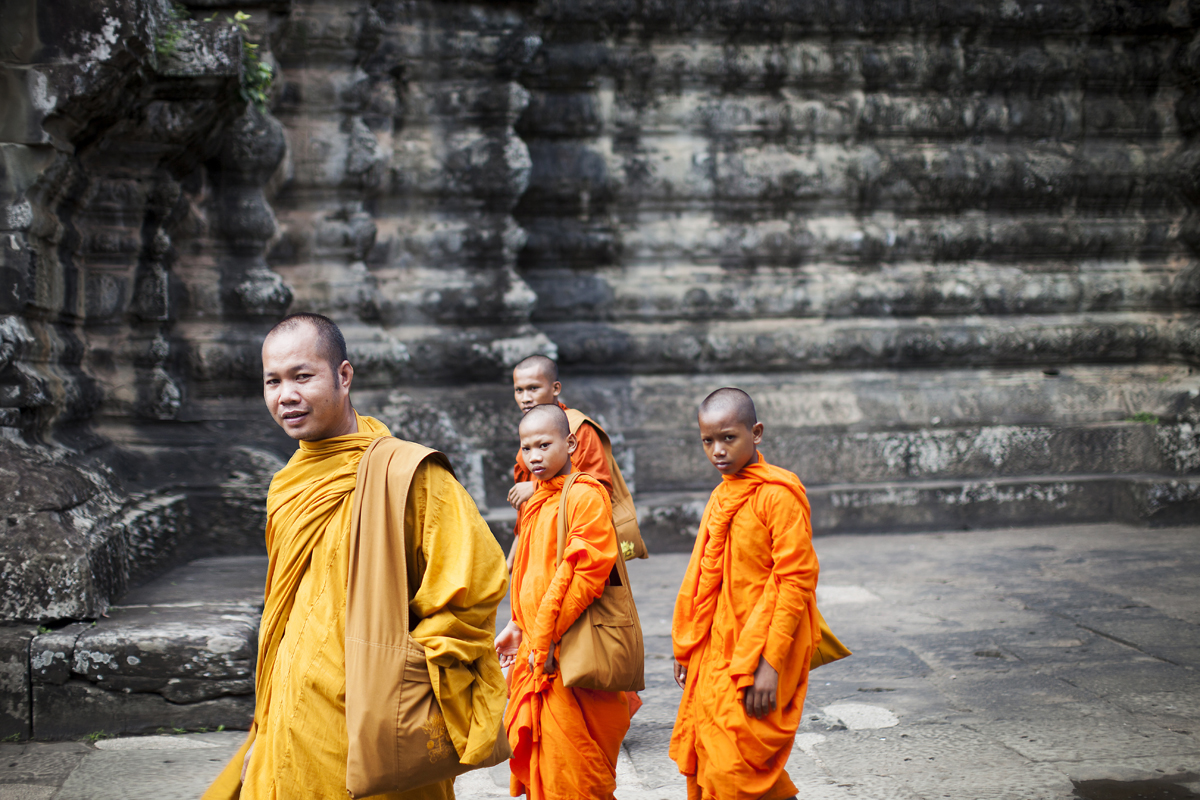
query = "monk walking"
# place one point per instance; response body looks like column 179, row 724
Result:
column 299, row 743
column 565, row 741
column 535, row 383
column 745, row 621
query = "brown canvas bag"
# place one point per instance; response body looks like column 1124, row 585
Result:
column 830, row 649
column 398, row 737
column 603, row 649
column 624, row 512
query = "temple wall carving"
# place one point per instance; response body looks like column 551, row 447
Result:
column 950, row 248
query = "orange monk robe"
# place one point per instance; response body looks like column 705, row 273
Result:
column 588, row 458
column 748, row 593
column 299, row 730
column 565, row 741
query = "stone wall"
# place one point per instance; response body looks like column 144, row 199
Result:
column 949, row 247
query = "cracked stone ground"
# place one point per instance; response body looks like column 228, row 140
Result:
column 990, row 664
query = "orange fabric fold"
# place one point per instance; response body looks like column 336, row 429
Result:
column 588, row 458
column 565, row 741
column 748, row 593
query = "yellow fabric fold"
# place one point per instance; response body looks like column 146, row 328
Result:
column 299, row 732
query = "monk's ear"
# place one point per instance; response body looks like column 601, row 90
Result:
column 756, row 432
column 345, row 375
column 572, row 443
column 556, row 388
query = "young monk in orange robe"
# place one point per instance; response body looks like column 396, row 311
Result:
column 565, row 741
column 745, row 622
column 535, row 383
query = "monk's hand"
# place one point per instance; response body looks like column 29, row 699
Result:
column 520, row 492
column 551, row 665
column 246, row 761
column 508, row 643
column 760, row 698
column 680, row 675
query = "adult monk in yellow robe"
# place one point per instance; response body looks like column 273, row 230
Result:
column 299, row 743
column 565, row 741
column 745, row 621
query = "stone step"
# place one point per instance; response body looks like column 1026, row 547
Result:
column 780, row 345
column 956, row 453
column 670, row 291
column 178, row 653
column 669, row 521
column 73, row 540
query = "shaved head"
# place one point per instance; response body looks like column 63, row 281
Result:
column 546, row 417
column 330, row 341
column 543, row 364
column 728, row 401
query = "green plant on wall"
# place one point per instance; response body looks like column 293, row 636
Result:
column 166, row 44
column 1144, row 417
column 257, row 74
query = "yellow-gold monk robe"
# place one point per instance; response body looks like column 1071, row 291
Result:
column 299, row 729
column 565, row 741
column 748, row 593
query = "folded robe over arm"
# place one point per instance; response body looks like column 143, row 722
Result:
column 456, row 575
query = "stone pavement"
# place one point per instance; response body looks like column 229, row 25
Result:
column 1022, row 664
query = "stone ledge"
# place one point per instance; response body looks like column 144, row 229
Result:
column 669, row 521
column 179, row 652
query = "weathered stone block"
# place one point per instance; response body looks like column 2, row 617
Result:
column 78, row 708
column 178, row 653
column 199, row 49
column 15, row 688
column 52, row 653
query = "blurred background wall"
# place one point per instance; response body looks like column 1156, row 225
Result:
column 949, row 247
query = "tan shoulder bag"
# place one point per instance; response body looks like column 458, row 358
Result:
column 624, row 513
column 829, row 649
column 602, row 649
column 398, row 736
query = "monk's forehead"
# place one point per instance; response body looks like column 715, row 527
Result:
column 724, row 416
column 531, row 372
column 541, row 425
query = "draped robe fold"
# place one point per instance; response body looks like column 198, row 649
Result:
column 565, row 741
column 748, row 593
column 456, row 577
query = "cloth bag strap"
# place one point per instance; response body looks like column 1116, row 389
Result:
column 379, row 550
column 562, row 516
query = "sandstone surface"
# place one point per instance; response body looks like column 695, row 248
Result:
column 950, row 247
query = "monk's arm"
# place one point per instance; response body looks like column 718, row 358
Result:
column 794, row 574
column 588, row 558
column 459, row 568
column 589, row 456
column 463, row 579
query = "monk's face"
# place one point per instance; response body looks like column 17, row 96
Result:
column 728, row 442
column 547, row 453
column 304, row 393
column 532, row 388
